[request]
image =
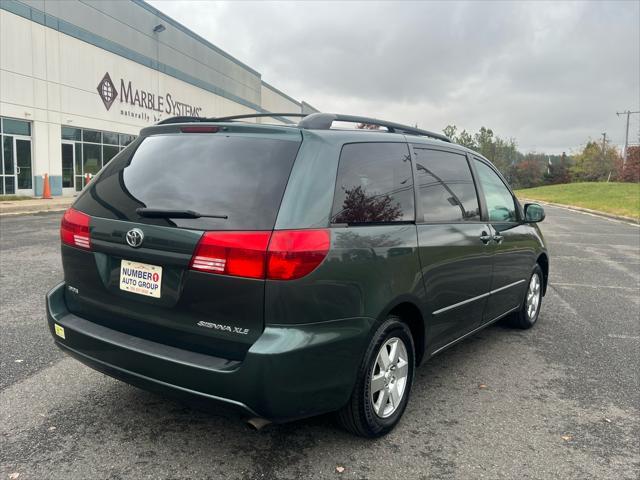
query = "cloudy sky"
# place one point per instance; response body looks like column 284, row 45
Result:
column 551, row 75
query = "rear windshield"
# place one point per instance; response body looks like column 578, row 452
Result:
column 238, row 176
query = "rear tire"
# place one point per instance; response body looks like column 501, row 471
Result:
column 527, row 316
column 383, row 383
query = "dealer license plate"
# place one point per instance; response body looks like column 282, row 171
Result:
column 140, row 278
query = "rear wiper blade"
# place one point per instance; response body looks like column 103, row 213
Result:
column 167, row 213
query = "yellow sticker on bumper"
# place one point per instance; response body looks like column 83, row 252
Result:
column 59, row 330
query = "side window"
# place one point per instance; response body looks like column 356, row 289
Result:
column 500, row 203
column 374, row 184
column 445, row 187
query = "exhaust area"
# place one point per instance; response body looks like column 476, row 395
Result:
column 258, row 423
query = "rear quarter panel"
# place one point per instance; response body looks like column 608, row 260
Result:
column 367, row 271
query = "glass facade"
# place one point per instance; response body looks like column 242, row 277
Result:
column 87, row 151
column 16, row 172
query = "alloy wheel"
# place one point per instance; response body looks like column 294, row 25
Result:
column 533, row 297
column 389, row 377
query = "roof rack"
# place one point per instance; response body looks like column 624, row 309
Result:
column 187, row 119
column 316, row 121
column 323, row 121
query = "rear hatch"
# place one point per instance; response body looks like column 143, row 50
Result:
column 168, row 242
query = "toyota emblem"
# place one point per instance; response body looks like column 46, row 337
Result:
column 134, row 237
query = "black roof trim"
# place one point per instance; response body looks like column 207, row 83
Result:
column 186, row 119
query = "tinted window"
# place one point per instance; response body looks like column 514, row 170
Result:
column 126, row 139
column 445, row 187
column 91, row 158
column 108, row 153
column 241, row 177
column 374, row 184
column 110, row 138
column 500, row 203
column 91, row 136
column 7, row 145
column 69, row 133
column 16, row 127
column 78, row 148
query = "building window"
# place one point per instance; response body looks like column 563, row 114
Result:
column 110, row 138
column 16, row 172
column 16, row 127
column 91, row 136
column 69, row 133
column 87, row 151
column 126, row 139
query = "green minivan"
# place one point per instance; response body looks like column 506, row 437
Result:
column 292, row 270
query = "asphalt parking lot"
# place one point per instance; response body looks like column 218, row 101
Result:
column 559, row 401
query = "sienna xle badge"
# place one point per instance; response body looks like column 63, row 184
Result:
column 289, row 271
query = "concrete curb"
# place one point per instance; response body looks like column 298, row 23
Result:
column 30, row 212
column 597, row 213
column 26, row 207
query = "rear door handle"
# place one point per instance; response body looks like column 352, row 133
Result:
column 486, row 238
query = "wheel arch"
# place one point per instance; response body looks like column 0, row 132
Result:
column 543, row 261
column 409, row 313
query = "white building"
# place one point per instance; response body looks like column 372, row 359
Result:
column 80, row 78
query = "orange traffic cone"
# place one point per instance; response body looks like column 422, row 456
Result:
column 46, row 188
column 87, row 178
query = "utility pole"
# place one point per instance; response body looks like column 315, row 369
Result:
column 604, row 144
column 626, row 136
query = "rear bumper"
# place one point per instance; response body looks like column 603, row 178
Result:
column 290, row 372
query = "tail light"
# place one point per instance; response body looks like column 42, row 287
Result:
column 296, row 253
column 74, row 229
column 281, row 255
column 241, row 254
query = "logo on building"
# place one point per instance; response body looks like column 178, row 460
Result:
column 148, row 105
column 107, row 91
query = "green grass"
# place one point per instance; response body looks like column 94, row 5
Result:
column 615, row 198
column 13, row 198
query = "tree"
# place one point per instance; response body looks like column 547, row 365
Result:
column 505, row 154
column 450, row 131
column 557, row 169
column 631, row 170
column 594, row 164
column 528, row 172
column 485, row 143
column 502, row 152
column 360, row 207
column 465, row 138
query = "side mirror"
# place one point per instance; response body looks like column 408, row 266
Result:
column 533, row 213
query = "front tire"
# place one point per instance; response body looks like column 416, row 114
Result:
column 383, row 383
column 527, row 316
